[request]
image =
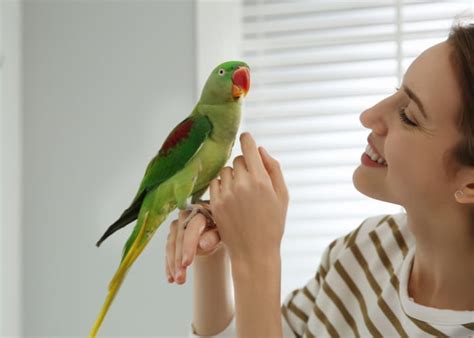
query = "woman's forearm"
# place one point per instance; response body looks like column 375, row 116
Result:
column 257, row 298
column 213, row 299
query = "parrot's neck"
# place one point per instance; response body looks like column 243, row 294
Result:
column 225, row 119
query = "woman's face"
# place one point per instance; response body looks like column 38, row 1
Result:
column 416, row 174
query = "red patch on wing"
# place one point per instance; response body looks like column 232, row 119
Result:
column 181, row 132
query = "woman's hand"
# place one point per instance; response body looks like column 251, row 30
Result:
column 183, row 245
column 249, row 204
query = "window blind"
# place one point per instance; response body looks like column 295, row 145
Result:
column 316, row 65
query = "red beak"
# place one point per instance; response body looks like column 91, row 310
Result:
column 241, row 80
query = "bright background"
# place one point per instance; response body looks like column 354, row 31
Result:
column 89, row 90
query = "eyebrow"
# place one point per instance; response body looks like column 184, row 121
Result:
column 415, row 98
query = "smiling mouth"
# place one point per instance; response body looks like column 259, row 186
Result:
column 374, row 156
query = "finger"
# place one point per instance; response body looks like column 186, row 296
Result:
column 208, row 241
column 182, row 215
column 226, row 178
column 206, row 204
column 252, row 157
column 274, row 171
column 178, row 258
column 214, row 191
column 240, row 168
column 191, row 237
column 170, row 247
column 169, row 275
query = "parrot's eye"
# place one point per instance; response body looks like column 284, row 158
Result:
column 221, row 72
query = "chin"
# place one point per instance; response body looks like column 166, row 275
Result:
column 368, row 187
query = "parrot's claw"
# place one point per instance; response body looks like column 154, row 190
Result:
column 200, row 207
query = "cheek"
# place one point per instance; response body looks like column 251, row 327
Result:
column 410, row 165
column 397, row 151
column 402, row 159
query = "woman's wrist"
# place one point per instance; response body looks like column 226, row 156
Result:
column 219, row 253
column 257, row 285
column 266, row 260
column 213, row 298
column 245, row 268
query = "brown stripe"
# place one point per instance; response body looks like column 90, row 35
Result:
column 293, row 294
column 353, row 235
column 350, row 284
column 308, row 294
column 337, row 301
column 322, row 271
column 317, row 276
column 322, row 317
column 346, row 238
column 469, row 326
column 427, row 328
column 395, row 282
column 384, row 258
column 378, row 292
column 383, row 219
column 398, row 236
column 297, row 311
column 307, row 333
column 284, row 312
column 328, row 255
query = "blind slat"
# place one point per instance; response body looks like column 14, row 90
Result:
column 361, row 19
column 321, row 7
column 343, row 39
column 257, row 110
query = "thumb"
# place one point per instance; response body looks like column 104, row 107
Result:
column 209, row 240
column 273, row 168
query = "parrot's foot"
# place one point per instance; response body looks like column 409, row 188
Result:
column 203, row 208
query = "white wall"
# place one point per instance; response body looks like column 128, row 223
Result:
column 10, row 169
column 104, row 83
column 218, row 39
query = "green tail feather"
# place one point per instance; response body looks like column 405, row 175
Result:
column 147, row 224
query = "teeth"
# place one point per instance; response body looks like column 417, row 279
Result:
column 374, row 156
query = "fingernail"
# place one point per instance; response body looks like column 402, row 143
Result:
column 204, row 243
column 185, row 260
column 177, row 273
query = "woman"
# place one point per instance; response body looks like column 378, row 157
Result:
column 408, row 274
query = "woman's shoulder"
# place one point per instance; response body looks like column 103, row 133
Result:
column 382, row 224
column 380, row 227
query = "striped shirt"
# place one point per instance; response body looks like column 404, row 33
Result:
column 360, row 290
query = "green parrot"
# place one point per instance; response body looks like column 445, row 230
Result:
column 190, row 158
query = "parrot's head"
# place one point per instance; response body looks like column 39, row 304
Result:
column 228, row 82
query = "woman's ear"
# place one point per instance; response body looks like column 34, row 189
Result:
column 465, row 194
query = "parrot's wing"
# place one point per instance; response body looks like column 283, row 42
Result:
column 178, row 149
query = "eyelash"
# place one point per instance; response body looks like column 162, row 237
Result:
column 404, row 118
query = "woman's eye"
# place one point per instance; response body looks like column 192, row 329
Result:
column 405, row 119
column 221, row 72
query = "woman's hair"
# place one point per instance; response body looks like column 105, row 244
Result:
column 461, row 39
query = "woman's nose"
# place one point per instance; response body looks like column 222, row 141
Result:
column 372, row 118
